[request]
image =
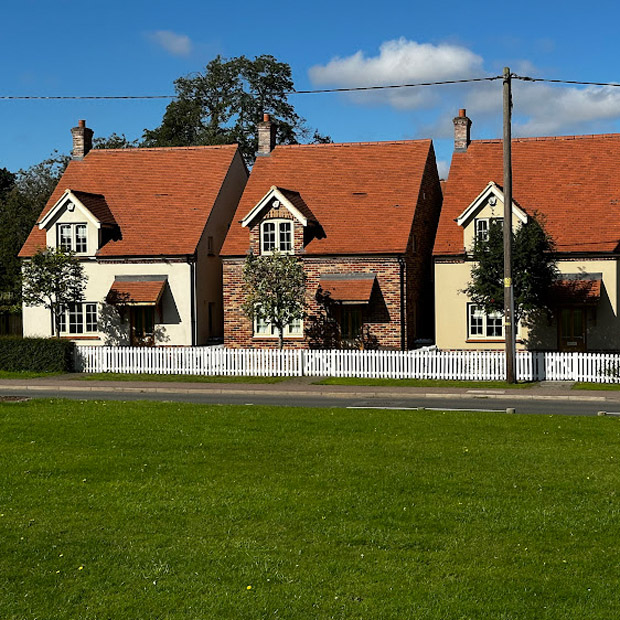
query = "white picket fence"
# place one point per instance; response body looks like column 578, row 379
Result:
column 428, row 363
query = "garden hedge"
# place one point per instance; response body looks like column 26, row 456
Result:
column 36, row 354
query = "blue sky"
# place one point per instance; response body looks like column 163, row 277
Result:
column 138, row 47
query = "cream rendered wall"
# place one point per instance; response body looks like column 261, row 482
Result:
column 209, row 268
column 451, row 309
column 176, row 303
column 486, row 210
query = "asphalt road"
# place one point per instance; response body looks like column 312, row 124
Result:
column 555, row 406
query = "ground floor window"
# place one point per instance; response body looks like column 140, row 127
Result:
column 482, row 325
column 79, row 318
column 264, row 329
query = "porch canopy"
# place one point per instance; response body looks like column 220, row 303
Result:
column 351, row 288
column 134, row 292
column 578, row 288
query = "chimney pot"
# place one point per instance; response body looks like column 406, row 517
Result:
column 462, row 127
column 266, row 136
column 82, row 140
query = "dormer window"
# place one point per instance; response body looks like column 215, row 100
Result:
column 483, row 225
column 277, row 235
column 72, row 238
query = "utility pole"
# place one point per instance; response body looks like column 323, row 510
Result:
column 509, row 326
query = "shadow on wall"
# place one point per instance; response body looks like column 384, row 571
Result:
column 114, row 324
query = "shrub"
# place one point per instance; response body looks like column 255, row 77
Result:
column 36, row 354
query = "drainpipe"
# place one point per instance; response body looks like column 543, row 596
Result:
column 192, row 271
column 403, row 334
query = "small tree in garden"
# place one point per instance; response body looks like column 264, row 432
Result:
column 275, row 290
column 53, row 278
column 534, row 270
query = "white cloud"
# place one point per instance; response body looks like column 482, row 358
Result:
column 539, row 108
column 443, row 167
column 174, row 43
column 399, row 62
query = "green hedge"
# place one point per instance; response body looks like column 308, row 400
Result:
column 36, row 354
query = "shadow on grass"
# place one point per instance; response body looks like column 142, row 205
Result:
column 423, row 383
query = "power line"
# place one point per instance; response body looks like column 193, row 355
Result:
column 351, row 89
column 292, row 92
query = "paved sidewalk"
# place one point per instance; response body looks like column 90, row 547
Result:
column 304, row 386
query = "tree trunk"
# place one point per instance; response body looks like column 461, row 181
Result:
column 281, row 337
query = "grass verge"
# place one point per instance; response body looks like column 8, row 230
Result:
column 171, row 510
column 498, row 385
column 596, row 386
column 25, row 374
column 117, row 376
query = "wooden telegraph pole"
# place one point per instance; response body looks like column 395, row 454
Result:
column 509, row 326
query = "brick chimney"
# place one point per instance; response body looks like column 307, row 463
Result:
column 266, row 136
column 82, row 140
column 462, row 125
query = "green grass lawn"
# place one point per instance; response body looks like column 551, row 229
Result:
column 165, row 510
column 117, row 376
column 497, row 385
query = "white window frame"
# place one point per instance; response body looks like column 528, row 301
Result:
column 77, row 243
column 279, row 225
column 264, row 329
column 481, row 233
column 77, row 319
column 485, row 326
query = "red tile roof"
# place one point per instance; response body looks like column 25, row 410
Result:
column 573, row 181
column 159, row 197
column 363, row 195
column 577, row 289
column 136, row 292
column 348, row 289
column 97, row 205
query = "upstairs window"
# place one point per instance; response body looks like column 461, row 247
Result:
column 277, row 235
column 72, row 238
column 483, row 224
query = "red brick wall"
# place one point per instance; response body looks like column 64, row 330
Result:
column 381, row 317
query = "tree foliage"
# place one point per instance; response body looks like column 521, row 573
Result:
column 114, row 141
column 533, row 269
column 275, row 290
column 22, row 198
column 223, row 105
column 53, row 278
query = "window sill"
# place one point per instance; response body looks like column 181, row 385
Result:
column 271, row 338
column 78, row 337
column 494, row 340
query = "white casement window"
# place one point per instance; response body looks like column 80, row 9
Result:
column 264, row 329
column 79, row 318
column 482, row 326
column 276, row 235
column 482, row 226
column 72, row 237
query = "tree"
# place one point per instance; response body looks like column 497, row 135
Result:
column 53, row 278
column 114, row 141
column 223, row 105
column 275, row 290
column 534, row 270
column 24, row 196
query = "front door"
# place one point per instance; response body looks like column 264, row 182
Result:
column 572, row 329
column 142, row 323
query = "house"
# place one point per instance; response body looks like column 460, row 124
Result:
column 362, row 218
column 147, row 225
column 570, row 182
